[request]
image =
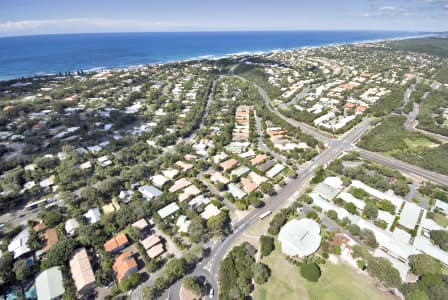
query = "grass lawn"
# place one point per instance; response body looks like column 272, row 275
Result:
column 338, row 282
column 419, row 142
column 441, row 219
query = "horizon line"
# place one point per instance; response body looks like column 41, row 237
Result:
column 228, row 31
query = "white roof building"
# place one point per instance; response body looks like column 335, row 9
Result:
column 275, row 170
column 210, row 211
column 93, row 215
column 387, row 241
column 49, row 284
column 170, row 173
column 425, row 245
column 71, row 225
column 428, row 225
column 326, row 191
column 247, row 154
column 94, row 149
column 219, row 177
column 183, row 223
column 159, row 180
column 168, row 210
column 149, row 192
column 300, row 237
column 18, row 244
column 334, row 182
column 401, row 235
column 441, row 207
column 410, row 214
column 198, row 200
column 236, row 192
column 219, row 157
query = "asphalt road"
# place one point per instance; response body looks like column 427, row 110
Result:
column 412, row 117
column 403, row 167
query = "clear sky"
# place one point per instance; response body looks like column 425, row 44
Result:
column 21, row 17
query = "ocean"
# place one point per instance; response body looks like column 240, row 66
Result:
column 49, row 54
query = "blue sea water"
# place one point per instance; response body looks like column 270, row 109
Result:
column 44, row 54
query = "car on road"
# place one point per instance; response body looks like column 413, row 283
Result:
column 212, row 292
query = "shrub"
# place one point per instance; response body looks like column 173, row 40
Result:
column 310, row 271
column 261, row 273
column 361, row 264
column 266, row 245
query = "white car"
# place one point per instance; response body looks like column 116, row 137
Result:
column 211, row 293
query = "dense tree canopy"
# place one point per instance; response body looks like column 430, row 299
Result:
column 424, row 264
column 235, row 272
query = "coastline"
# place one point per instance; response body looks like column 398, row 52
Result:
column 212, row 57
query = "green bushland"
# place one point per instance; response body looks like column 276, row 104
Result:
column 392, row 138
column 431, row 46
column 256, row 75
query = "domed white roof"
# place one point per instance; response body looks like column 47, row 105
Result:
column 300, row 237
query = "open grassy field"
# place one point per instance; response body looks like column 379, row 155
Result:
column 418, row 142
column 338, row 282
column 441, row 219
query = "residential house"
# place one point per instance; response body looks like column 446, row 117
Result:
column 240, row 171
column 125, row 265
column 82, row 273
column 258, row 159
column 50, row 238
column 210, row 211
column 149, row 192
column 155, row 251
column 141, row 224
column 168, row 210
column 236, row 192
column 93, row 215
column 190, row 191
column 219, row 177
column 179, row 184
column 275, row 170
column 229, row 164
column 184, row 166
column 111, row 207
column 441, row 207
column 183, row 223
column 150, row 241
column 266, row 165
column 49, row 284
column 159, row 180
column 198, row 200
column 70, row 226
column 117, row 243
column 170, row 173
column 18, row 244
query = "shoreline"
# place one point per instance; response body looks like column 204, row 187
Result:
column 212, row 57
